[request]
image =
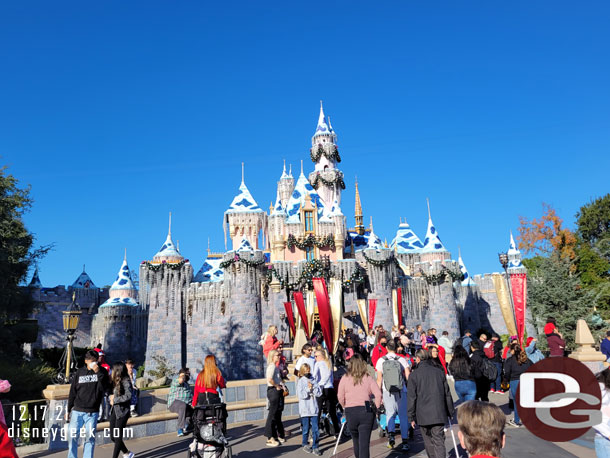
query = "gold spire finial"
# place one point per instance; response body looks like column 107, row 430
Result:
column 358, row 211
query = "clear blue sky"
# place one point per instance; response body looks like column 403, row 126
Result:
column 118, row 112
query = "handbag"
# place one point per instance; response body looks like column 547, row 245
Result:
column 285, row 391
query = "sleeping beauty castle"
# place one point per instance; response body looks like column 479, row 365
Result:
column 224, row 307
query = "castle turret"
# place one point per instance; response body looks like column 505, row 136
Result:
column 326, row 178
column 433, row 249
column 168, row 252
column 35, row 282
column 244, row 218
column 120, row 324
column 466, row 281
column 358, row 213
column 515, row 266
column 285, row 185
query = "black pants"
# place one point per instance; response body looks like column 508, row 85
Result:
column 483, row 385
column 329, row 398
column 434, row 440
column 360, row 424
column 117, row 425
column 274, row 427
column 184, row 411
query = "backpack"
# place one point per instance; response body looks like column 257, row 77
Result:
column 489, row 349
column 393, row 375
column 489, row 369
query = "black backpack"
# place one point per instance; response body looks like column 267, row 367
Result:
column 489, row 369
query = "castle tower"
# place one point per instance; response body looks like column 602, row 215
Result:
column 285, row 185
column 469, row 298
column 35, row 282
column 163, row 296
column 326, row 178
column 515, row 266
column 433, row 249
column 244, row 218
column 120, row 324
column 358, row 213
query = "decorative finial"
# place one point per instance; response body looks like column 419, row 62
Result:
column 83, row 268
column 459, row 252
column 284, row 169
column 321, row 105
column 372, row 224
column 178, row 245
column 428, row 202
column 169, row 231
column 290, row 170
column 125, row 258
column 242, row 173
column 209, row 251
column 301, row 166
column 74, row 296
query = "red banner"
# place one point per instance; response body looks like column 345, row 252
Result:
column 518, row 284
column 319, row 288
column 298, row 300
column 372, row 310
column 288, row 307
column 399, row 305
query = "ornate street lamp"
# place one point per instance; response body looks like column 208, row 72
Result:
column 71, row 318
column 503, row 258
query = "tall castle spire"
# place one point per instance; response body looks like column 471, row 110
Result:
column 358, row 212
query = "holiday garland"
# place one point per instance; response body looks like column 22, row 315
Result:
column 310, row 241
column 237, row 258
column 433, row 279
column 314, row 268
column 338, row 181
column 331, row 156
column 170, row 265
column 376, row 263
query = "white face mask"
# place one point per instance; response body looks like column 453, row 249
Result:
column 92, row 365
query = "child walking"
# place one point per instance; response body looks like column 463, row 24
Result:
column 307, row 392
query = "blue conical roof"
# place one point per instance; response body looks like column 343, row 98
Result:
column 210, row 271
column 302, row 188
column 243, row 202
column 83, row 281
column 35, row 283
column 432, row 242
column 467, row 281
column 123, row 278
column 406, row 241
column 244, row 246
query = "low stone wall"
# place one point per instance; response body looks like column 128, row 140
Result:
column 246, row 402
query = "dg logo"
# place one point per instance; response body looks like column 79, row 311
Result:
column 559, row 399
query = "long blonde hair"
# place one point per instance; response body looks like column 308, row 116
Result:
column 271, row 355
column 324, row 356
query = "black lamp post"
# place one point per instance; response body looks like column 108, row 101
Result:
column 71, row 318
column 503, row 258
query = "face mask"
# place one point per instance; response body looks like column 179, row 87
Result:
column 187, row 378
column 92, row 365
column 383, row 344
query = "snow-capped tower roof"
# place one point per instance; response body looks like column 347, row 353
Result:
column 243, row 202
column 302, row 189
column 374, row 242
column 284, row 174
column 406, row 241
column 467, row 281
column 83, row 281
column 244, row 246
column 514, row 255
column 210, row 271
column 123, row 278
column 168, row 251
column 432, row 242
column 35, row 282
column 323, row 128
column 122, row 291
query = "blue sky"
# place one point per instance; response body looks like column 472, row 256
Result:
column 118, row 112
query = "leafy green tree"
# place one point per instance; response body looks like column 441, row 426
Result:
column 593, row 220
column 17, row 255
column 554, row 290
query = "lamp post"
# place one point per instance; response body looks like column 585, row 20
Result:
column 503, row 258
column 71, row 318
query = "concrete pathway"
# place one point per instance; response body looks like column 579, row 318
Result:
column 248, row 441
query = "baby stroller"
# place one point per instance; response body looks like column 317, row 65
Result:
column 383, row 424
column 209, row 429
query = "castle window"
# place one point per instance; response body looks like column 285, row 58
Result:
column 308, row 221
column 309, row 253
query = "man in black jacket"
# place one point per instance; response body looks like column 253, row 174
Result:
column 476, row 361
column 88, row 387
column 429, row 403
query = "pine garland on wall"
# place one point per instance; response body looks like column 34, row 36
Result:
column 337, row 181
column 309, row 241
column 169, row 265
column 332, row 155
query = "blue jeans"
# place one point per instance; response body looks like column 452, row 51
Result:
column 602, row 446
column 396, row 404
column 466, row 390
column 77, row 421
column 514, row 384
column 497, row 383
column 306, row 422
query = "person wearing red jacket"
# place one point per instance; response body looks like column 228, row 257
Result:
column 271, row 342
column 380, row 350
column 208, row 385
column 7, row 448
column 209, row 382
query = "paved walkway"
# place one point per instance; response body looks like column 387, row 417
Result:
column 248, row 442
